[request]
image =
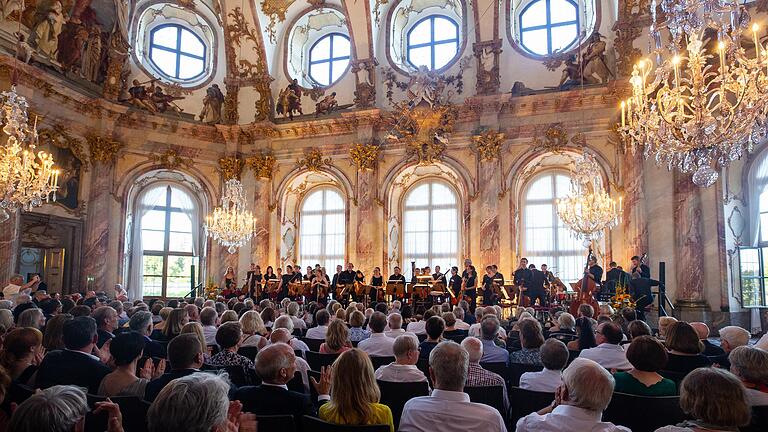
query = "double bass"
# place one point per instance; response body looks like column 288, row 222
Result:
column 586, row 288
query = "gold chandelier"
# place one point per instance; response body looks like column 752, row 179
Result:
column 588, row 210
column 27, row 177
column 231, row 224
column 693, row 112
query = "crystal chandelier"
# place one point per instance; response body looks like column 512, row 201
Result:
column 705, row 103
column 588, row 210
column 231, row 224
column 27, row 177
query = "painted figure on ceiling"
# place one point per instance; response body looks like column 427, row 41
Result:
column 212, row 103
column 45, row 33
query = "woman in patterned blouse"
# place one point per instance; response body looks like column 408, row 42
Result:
column 228, row 337
column 531, row 339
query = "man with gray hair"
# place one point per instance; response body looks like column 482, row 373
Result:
column 731, row 337
column 448, row 366
column 293, row 311
column 395, row 324
column 285, row 322
column 207, row 393
column 208, row 319
column 459, row 314
column 476, row 375
column 193, row 312
column 58, row 408
column 377, row 344
column 403, row 369
column 750, row 365
column 480, row 313
column 141, row 322
column 579, row 402
column 489, row 330
column 554, row 357
column 16, row 286
column 282, row 335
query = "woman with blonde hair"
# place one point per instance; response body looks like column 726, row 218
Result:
column 197, row 329
column 228, row 316
column 176, row 320
column 341, row 315
column 354, row 393
column 53, row 339
column 22, row 353
column 254, row 331
column 164, row 313
column 336, row 339
column 664, row 323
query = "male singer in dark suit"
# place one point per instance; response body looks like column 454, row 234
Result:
column 335, row 280
column 276, row 365
column 536, row 286
column 75, row 365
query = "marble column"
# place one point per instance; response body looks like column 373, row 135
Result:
column 10, row 244
column 635, row 222
column 689, row 253
column 260, row 241
column 366, row 230
column 97, row 228
column 489, row 172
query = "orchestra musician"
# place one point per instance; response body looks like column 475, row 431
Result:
column 640, row 268
column 522, row 277
column 438, row 277
column 595, row 272
column 359, row 278
column 290, row 276
column 490, row 297
column 548, row 276
column 320, row 286
column 335, row 279
column 640, row 290
column 536, row 288
column 269, row 274
column 310, row 274
column 377, row 282
column 253, row 277
column 469, row 279
column 455, row 282
column 346, row 278
column 397, row 276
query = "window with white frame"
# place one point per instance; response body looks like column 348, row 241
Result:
column 329, row 58
column 546, row 240
column 430, row 226
column 322, row 233
column 753, row 258
column 547, row 26
column 433, row 42
column 167, row 224
column 177, row 52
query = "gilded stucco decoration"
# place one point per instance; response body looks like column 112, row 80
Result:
column 365, row 156
column 422, row 129
column 275, row 10
column 172, row 159
column 262, row 164
column 58, row 136
column 555, row 139
column 633, row 17
column 488, row 144
column 313, row 160
column 231, row 167
column 103, row 149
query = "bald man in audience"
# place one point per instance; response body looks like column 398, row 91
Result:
column 476, row 375
column 282, row 335
column 448, row 367
column 710, row 349
column 579, row 402
column 395, row 324
column 403, row 369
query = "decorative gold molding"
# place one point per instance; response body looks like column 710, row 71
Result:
column 422, row 128
column 231, row 167
column 103, row 149
column 262, row 164
column 365, row 156
column 487, row 145
column 555, row 139
column 171, row 159
column 275, row 10
column 313, row 160
column 57, row 136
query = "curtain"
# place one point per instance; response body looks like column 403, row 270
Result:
column 758, row 177
column 192, row 211
column 147, row 199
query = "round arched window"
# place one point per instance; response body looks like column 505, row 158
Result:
column 177, row 52
column 433, row 42
column 547, row 26
column 329, row 58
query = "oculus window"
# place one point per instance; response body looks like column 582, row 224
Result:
column 322, row 232
column 432, row 42
column 548, row 26
column 329, row 58
column 177, row 52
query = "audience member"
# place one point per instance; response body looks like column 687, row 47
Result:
column 664, row 323
column 126, row 349
column 489, row 331
column 321, row 317
column 283, row 336
column 608, row 353
column 554, row 357
column 585, row 332
column 579, row 402
column 185, row 355
column 196, row 329
column 56, row 409
column 356, row 331
column 228, row 338
column 354, row 393
column 209, row 318
column 33, row 318
column 459, row 313
column 710, row 349
column 531, row 340
column 419, row 327
column 714, row 399
column 476, row 375
column 192, row 312
column 176, row 320
column 731, row 337
column 448, row 367
column 647, row 357
column 336, row 338
column 293, row 310
column 228, row 316
column 22, row 353
column 395, row 324
column 684, row 348
column 53, row 338
column 750, row 365
column 434, row 328
column 106, row 323
column 378, row 344
column 254, row 332
column 141, row 323
column 638, row 328
column 403, row 369
column 475, row 330
column 285, row 322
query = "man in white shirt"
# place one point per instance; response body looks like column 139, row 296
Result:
column 554, row 357
column 378, row 344
column 208, row 319
column 285, row 322
column 448, row 365
column 319, row 332
column 579, row 402
column 474, row 329
column 396, row 305
column 608, row 353
column 459, row 314
column 395, row 324
column 293, row 310
column 419, row 327
column 403, row 369
column 16, row 285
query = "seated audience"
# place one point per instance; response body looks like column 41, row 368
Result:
column 638, row 328
column 207, row 393
column 714, row 399
column 434, row 328
column 403, row 369
column 141, row 323
column 579, row 402
column 731, row 337
column 106, row 323
column 74, row 365
column 228, row 337
column 57, row 409
column 228, row 316
column 185, row 355
column 321, row 317
column 285, row 322
column 192, row 312
column 177, row 319
column 356, row 331
column 450, row 326
column 254, row 332
column 554, row 357
column 336, row 339
column 489, row 332
column 126, row 349
column 354, row 393
column 647, row 356
column 448, row 367
column 710, row 349
column 476, row 375
column 684, row 348
column 196, row 329
column 750, row 365
column 458, row 312
column 22, row 353
column 293, row 310
column 585, row 332
column 282, row 336
column 419, row 327
column 531, row 340
column 474, row 329
column 53, row 338
column 608, row 353
column 664, row 323
column 565, row 329
column 395, row 324
column 377, row 344
column 209, row 318
column 32, row 318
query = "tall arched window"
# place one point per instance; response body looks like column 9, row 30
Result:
column 168, row 234
column 546, row 240
column 322, row 229
column 430, row 226
column 753, row 256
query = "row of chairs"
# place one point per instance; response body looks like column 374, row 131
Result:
column 287, row 423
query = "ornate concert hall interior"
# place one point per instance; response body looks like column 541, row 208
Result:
column 386, row 133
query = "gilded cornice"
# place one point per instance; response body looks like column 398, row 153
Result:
column 171, row 159
column 231, row 167
column 365, row 156
column 313, row 160
column 58, row 136
column 103, row 149
column 487, row 144
column 262, row 164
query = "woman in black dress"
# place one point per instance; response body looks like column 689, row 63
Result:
column 377, row 281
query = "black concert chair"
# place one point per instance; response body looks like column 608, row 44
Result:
column 675, row 376
column 423, row 365
column 491, row 396
column 523, row 402
column 96, row 422
column 296, row 384
column 281, row 423
column 214, row 349
column 759, row 421
column 379, row 361
column 516, row 370
column 572, row 355
column 396, row 394
column 313, row 344
column 298, row 353
column 249, row 352
column 134, row 412
column 422, row 337
column 317, row 361
column 657, row 411
column 314, row 424
column 18, row 393
column 499, row 368
column 238, row 375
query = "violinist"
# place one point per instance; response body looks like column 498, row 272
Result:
column 489, row 293
column 309, row 274
column 320, row 286
column 269, row 275
column 522, row 279
column 438, row 276
column 335, row 279
column 455, row 282
column 397, row 277
column 470, row 286
column 289, row 277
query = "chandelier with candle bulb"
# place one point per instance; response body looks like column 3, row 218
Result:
column 706, row 101
column 27, row 176
column 588, row 210
column 231, row 224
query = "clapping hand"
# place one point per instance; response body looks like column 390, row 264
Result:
column 115, row 418
column 324, row 386
column 39, row 354
column 238, row 421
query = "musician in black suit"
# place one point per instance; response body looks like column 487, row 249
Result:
column 276, row 365
column 76, row 365
column 595, row 272
column 335, row 280
column 639, row 267
column 397, row 277
column 640, row 290
column 490, row 297
column 522, row 277
column 535, row 286
column 455, row 282
column 186, row 357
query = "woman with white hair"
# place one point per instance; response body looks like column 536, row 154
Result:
column 58, row 409
column 750, row 365
column 32, row 317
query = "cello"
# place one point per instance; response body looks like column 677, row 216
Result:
column 585, row 288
